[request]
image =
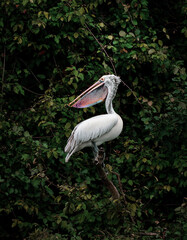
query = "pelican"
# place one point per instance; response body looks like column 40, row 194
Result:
column 99, row 129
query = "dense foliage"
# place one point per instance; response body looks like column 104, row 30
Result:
column 52, row 50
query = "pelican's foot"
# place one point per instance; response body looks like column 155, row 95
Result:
column 103, row 158
column 96, row 161
column 100, row 158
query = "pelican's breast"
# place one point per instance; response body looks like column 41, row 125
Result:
column 112, row 134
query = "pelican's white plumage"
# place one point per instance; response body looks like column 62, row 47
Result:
column 96, row 130
column 99, row 129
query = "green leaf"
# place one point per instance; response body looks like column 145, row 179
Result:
column 35, row 183
column 49, row 154
column 160, row 43
column 128, row 45
column 137, row 31
column 69, row 17
column 55, row 154
column 129, row 93
column 26, row 134
column 46, row 14
column 81, row 11
column 82, row 20
column 25, row 2
column 49, row 191
column 134, row 22
column 57, row 38
column 101, row 24
column 110, row 37
column 25, row 156
column 75, row 35
column 122, row 33
column 164, row 30
column 68, row 125
column 151, row 51
column 130, row 182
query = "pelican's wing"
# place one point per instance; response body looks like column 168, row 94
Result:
column 91, row 129
column 95, row 127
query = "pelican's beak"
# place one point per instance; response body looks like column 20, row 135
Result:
column 93, row 95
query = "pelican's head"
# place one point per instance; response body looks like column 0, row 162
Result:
column 97, row 92
column 110, row 80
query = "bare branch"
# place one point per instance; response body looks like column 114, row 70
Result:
column 3, row 74
column 122, row 192
column 30, row 70
column 120, row 186
column 39, row 94
column 100, row 44
column 148, row 233
column 132, row 92
column 110, row 59
column 57, row 66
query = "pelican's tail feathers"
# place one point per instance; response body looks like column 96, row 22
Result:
column 71, row 143
column 67, row 157
column 70, row 147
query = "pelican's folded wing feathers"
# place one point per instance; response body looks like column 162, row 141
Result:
column 91, row 129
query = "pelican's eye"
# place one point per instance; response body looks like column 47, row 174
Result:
column 101, row 79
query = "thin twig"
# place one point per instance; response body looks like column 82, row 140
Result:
column 122, row 192
column 100, row 44
column 123, row 4
column 30, row 70
column 57, row 67
column 148, row 233
column 132, row 92
column 42, row 137
column 3, row 73
column 39, row 94
column 110, row 59
column 120, row 186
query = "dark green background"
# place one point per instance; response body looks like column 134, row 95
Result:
column 48, row 56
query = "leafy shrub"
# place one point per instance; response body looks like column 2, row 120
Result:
column 50, row 52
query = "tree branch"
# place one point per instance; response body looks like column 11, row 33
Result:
column 110, row 59
column 28, row 68
column 39, row 94
column 120, row 186
column 148, row 233
column 109, row 184
column 3, row 74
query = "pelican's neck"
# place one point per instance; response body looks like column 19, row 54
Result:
column 108, row 102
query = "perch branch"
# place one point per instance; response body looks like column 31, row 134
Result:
column 109, row 184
